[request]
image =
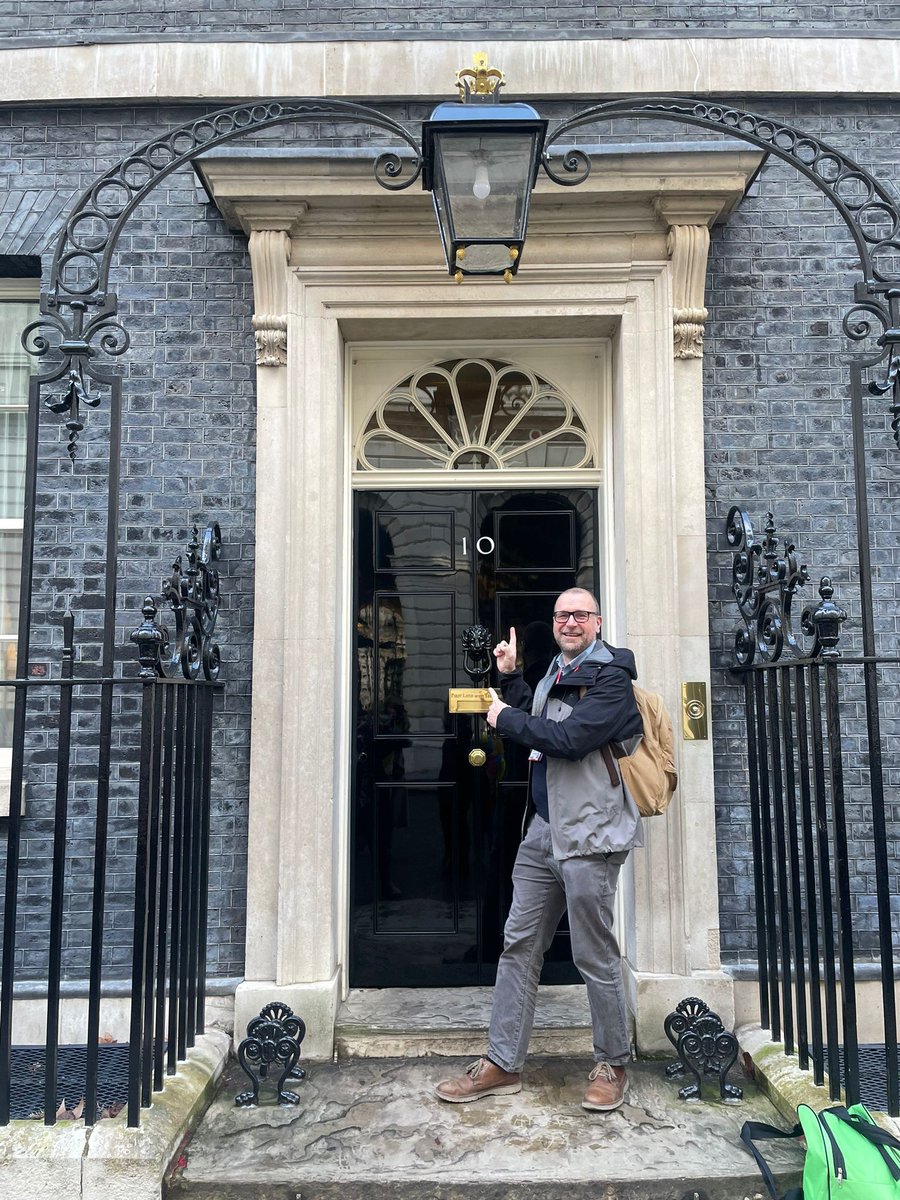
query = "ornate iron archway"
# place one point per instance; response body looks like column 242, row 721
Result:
column 78, row 335
column 78, row 310
column 78, row 283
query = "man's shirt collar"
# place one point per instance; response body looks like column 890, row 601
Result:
column 567, row 668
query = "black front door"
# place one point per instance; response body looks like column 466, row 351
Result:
column 433, row 838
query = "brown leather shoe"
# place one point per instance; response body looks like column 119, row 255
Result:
column 482, row 1078
column 607, row 1089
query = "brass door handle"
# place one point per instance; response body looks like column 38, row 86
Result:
column 477, row 758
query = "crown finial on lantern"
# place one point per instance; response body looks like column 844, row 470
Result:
column 480, row 80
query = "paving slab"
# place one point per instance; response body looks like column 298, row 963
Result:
column 368, row 1128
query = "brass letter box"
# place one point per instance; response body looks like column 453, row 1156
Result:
column 469, row 700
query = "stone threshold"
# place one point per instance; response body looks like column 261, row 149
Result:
column 371, row 1126
column 431, row 1022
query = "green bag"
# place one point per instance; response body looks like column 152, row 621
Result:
column 848, row 1156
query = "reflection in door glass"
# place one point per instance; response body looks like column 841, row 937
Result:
column 434, row 832
column 400, row 640
column 411, row 539
column 536, row 541
column 412, row 862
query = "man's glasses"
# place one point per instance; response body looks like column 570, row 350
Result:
column 581, row 616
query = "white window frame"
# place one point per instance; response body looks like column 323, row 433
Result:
column 22, row 291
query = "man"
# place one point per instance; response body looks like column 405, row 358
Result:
column 584, row 824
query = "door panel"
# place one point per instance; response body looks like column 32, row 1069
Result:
column 433, row 839
column 520, row 534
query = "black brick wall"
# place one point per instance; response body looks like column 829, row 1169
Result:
column 187, row 456
column 91, row 20
column 777, row 436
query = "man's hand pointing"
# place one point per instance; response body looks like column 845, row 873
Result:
column 505, row 654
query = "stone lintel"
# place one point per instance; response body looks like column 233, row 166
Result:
column 309, row 193
column 543, row 65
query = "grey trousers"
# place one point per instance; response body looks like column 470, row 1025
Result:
column 544, row 888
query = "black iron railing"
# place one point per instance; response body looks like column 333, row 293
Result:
column 820, row 819
column 120, row 785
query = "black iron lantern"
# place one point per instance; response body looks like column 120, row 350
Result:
column 480, row 164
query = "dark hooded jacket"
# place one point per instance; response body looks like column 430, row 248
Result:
column 586, row 710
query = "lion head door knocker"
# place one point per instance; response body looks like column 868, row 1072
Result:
column 476, row 644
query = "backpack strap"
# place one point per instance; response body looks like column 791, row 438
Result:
column 872, row 1133
column 607, row 756
column 758, row 1131
column 606, row 753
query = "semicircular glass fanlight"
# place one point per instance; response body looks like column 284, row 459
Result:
column 474, row 414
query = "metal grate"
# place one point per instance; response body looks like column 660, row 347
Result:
column 872, row 1075
column 28, row 1077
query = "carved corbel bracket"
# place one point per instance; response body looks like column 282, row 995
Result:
column 688, row 248
column 270, row 251
column 688, row 220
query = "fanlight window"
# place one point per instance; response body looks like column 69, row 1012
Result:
column 474, row 414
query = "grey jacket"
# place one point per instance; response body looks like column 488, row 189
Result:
column 587, row 709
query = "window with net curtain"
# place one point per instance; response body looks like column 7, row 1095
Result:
column 15, row 369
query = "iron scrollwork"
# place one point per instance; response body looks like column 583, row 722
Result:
column 74, row 345
column 192, row 592
column 858, row 327
column 273, row 1039
column 707, row 1048
column 870, row 212
column 763, row 583
column 79, row 275
column 80, row 270
column 704, row 1047
column 686, row 1012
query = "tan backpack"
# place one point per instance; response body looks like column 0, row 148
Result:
column 649, row 773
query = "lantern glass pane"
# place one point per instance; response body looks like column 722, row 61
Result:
column 488, row 183
column 485, row 260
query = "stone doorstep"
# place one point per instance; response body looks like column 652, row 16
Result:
column 372, row 1128
column 455, row 1043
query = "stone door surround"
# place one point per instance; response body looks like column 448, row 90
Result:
column 336, row 261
